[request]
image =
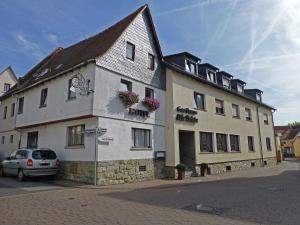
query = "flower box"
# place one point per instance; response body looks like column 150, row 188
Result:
column 151, row 103
column 128, row 98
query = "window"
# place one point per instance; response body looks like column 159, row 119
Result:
column 234, row 143
column 11, row 138
column 248, row 114
column 32, row 139
column 211, row 76
column 149, row 93
column 151, row 61
column 4, row 112
column 235, row 111
column 221, row 142
column 75, row 135
column 219, row 106
column 226, row 82
column 43, row 99
column 141, row 138
column 190, row 67
column 268, row 142
column 266, row 119
column 199, row 100
column 71, row 90
column 21, row 105
column 130, row 51
column 21, row 154
column 258, row 97
column 240, row 88
column 206, row 142
column 251, row 143
column 125, row 85
column 6, row 87
column 12, row 110
column 3, row 140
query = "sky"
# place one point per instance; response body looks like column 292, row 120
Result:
column 257, row 41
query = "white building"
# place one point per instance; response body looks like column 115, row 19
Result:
column 50, row 113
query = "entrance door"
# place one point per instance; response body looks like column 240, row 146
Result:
column 32, row 139
column 187, row 149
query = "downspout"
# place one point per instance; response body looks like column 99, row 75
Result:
column 15, row 115
column 259, row 134
column 275, row 139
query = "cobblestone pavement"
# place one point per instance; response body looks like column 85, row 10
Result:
column 257, row 196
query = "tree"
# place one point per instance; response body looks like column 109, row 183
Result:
column 294, row 124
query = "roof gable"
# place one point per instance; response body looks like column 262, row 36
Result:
column 83, row 52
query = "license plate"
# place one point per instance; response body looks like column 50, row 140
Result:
column 44, row 164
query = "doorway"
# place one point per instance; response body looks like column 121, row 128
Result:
column 187, row 149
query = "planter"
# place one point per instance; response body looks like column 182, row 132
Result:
column 151, row 103
column 128, row 98
column 181, row 171
column 203, row 169
column 181, row 174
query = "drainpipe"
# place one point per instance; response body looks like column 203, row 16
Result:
column 259, row 134
column 15, row 119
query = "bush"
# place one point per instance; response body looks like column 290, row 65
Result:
column 180, row 167
column 151, row 103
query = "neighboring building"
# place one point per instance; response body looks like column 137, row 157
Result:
column 51, row 114
column 7, row 80
column 212, row 119
column 289, row 140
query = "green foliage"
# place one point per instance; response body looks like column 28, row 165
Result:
column 180, row 167
column 294, row 124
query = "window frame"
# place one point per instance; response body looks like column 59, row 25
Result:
column 151, row 61
column 37, row 139
column 211, row 72
column 238, row 142
column 127, row 83
column 240, row 86
column 151, row 91
column 252, row 143
column 188, row 64
column 205, row 147
column 268, row 144
column 12, row 109
column 4, row 112
column 71, row 94
column 21, row 105
column 250, row 113
column 221, row 109
column 266, row 119
column 195, row 102
column 6, row 85
column 222, row 144
column 11, row 138
column 43, row 97
column 238, row 114
column 3, row 140
column 146, row 134
column 227, row 80
column 132, row 53
column 72, row 140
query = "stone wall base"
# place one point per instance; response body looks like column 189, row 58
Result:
column 218, row 168
column 113, row 172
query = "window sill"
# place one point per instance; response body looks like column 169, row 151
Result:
column 206, row 152
column 251, row 151
column 140, row 149
column 236, row 117
column 42, row 106
column 203, row 110
column 220, row 114
column 70, row 99
column 75, row 147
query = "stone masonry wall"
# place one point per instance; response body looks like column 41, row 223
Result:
column 113, row 172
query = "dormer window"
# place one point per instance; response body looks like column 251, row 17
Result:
column 226, row 82
column 211, row 76
column 258, row 97
column 190, row 66
column 240, row 88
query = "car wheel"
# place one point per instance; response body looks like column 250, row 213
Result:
column 2, row 174
column 21, row 175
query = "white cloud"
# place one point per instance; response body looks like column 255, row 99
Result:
column 28, row 46
column 52, row 38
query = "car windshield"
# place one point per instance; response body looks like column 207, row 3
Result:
column 43, row 154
